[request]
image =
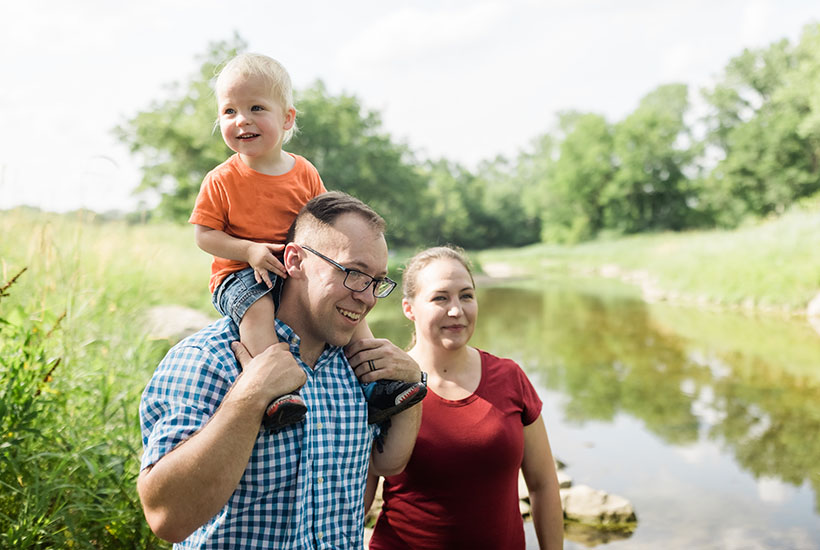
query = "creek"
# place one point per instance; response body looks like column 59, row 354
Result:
column 707, row 421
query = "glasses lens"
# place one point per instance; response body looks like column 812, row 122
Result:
column 357, row 281
column 384, row 288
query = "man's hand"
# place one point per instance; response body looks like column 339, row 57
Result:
column 272, row 373
column 262, row 259
column 378, row 358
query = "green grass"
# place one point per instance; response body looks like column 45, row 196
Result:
column 74, row 357
column 74, row 362
column 770, row 265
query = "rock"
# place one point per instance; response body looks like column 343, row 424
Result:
column 564, row 480
column 173, row 322
column 591, row 506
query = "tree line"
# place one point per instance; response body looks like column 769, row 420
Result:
column 752, row 152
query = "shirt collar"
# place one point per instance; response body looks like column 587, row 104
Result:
column 286, row 334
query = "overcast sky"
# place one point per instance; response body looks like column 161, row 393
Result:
column 465, row 80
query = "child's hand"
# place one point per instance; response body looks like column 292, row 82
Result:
column 261, row 258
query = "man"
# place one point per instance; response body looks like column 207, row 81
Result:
column 211, row 477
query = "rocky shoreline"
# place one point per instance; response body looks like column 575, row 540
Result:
column 591, row 516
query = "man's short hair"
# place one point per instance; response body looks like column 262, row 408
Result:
column 327, row 207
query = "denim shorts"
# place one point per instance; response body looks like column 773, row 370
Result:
column 239, row 291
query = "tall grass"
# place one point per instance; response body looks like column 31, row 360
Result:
column 73, row 362
column 771, row 264
column 74, row 357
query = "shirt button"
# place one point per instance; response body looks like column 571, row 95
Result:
column 320, row 535
column 321, row 480
column 319, row 425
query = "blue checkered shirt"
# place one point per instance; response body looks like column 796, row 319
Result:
column 303, row 486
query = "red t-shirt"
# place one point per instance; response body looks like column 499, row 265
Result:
column 460, row 488
column 247, row 204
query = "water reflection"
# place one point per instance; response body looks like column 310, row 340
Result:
column 749, row 388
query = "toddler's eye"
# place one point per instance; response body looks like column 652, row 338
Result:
column 257, row 108
column 228, row 111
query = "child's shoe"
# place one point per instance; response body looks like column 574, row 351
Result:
column 284, row 411
column 386, row 398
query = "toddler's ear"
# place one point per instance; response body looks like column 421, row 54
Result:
column 290, row 118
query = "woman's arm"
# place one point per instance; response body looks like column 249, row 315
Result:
column 538, row 467
column 370, row 491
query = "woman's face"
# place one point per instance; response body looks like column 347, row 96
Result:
column 444, row 309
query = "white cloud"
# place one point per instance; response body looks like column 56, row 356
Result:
column 458, row 79
column 412, row 35
column 755, row 21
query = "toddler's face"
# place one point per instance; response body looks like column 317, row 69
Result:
column 251, row 121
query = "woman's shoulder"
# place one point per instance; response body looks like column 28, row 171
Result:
column 488, row 357
column 495, row 362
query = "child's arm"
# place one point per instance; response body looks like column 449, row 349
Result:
column 260, row 256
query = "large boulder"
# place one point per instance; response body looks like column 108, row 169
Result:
column 173, row 322
column 591, row 506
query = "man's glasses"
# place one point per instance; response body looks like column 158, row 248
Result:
column 357, row 281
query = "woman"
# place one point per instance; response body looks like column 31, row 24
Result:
column 481, row 423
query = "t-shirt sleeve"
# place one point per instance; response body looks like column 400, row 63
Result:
column 318, row 185
column 211, row 205
column 531, row 402
column 182, row 395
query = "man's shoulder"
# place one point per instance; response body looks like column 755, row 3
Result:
column 214, row 338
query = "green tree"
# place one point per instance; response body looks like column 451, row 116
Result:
column 584, row 169
column 175, row 138
column 650, row 190
column 502, row 213
column 450, row 212
column 177, row 145
column 352, row 152
column 764, row 128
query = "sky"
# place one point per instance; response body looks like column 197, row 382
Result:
column 463, row 80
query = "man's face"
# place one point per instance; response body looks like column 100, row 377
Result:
column 334, row 311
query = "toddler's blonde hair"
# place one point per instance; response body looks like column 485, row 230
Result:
column 267, row 68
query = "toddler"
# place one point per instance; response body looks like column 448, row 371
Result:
column 242, row 215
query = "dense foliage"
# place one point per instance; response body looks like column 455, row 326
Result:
column 67, row 463
column 660, row 168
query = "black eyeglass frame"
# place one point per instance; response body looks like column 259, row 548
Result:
column 347, row 271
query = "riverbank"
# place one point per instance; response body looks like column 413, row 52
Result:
column 768, row 266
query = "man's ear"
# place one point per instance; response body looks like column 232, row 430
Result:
column 293, row 259
column 407, row 309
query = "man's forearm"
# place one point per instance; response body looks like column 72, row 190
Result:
column 189, row 485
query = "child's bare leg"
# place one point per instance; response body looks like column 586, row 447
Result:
column 257, row 329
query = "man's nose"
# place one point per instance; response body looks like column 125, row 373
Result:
column 367, row 295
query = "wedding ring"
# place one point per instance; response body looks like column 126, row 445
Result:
column 372, row 365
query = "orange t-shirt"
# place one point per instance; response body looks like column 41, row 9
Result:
column 247, row 204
